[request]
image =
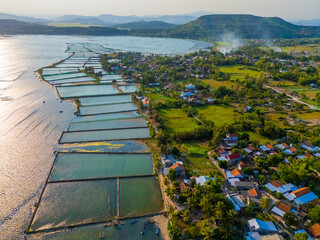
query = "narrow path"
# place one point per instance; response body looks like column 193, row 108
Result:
column 295, row 99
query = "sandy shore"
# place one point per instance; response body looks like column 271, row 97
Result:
column 162, row 222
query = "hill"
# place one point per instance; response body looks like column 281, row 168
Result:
column 11, row 27
column 146, row 25
column 84, row 21
column 22, row 18
column 243, row 26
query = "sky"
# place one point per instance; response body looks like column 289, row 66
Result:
column 288, row 9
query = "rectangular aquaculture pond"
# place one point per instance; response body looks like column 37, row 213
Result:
column 107, row 116
column 72, row 166
column 128, row 88
column 105, row 135
column 126, row 146
column 140, row 196
column 72, row 80
column 54, row 71
column 109, row 108
column 86, row 90
column 108, row 124
column 87, row 101
column 111, row 77
column 64, row 76
column 73, row 203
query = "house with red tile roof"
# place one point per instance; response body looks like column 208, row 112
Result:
column 315, row 230
column 179, row 169
column 236, row 173
column 233, row 158
column 254, row 193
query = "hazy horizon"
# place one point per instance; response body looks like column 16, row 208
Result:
column 288, row 9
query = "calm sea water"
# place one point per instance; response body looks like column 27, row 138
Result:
column 31, row 120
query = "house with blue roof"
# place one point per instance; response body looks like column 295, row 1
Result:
column 202, row 180
column 309, row 147
column 303, row 196
column 262, row 227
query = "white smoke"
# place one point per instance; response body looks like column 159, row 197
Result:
column 230, row 42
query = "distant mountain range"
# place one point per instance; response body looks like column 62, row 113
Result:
column 208, row 27
column 22, row 18
column 312, row 22
column 144, row 25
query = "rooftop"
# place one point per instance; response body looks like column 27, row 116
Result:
column 315, row 230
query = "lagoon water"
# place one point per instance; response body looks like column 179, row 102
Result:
column 32, row 118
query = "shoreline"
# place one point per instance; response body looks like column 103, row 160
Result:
column 159, row 218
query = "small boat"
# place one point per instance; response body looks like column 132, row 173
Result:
column 142, row 233
column 107, row 224
column 135, row 221
column 158, row 231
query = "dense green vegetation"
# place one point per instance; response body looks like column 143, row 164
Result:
column 144, row 25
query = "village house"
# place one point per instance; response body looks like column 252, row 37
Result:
column 315, row 230
column 231, row 140
column 303, row 196
column 281, row 209
column 243, row 186
column 184, row 184
column 283, row 146
column 178, row 167
column 237, row 202
column 168, row 160
column 275, row 186
column 250, row 149
column 233, row 158
column 202, row 180
column 237, row 174
column 261, row 226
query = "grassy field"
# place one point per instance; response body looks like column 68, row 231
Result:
column 314, row 48
column 196, row 160
column 275, row 118
column 157, row 97
column 257, row 137
column 215, row 83
column 176, row 119
column 71, row 25
column 308, row 116
column 282, row 83
column 194, row 149
column 221, row 115
column 238, row 72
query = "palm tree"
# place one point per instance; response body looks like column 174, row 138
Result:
column 265, row 203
